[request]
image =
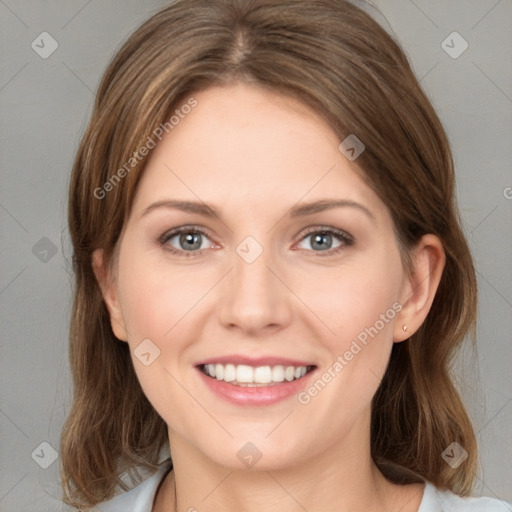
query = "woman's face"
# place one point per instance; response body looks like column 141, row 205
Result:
column 265, row 284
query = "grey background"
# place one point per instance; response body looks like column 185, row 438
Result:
column 45, row 105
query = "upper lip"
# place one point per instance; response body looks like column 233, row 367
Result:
column 255, row 362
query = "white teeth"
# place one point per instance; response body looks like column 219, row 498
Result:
column 289, row 373
column 262, row 375
column 278, row 373
column 229, row 372
column 245, row 375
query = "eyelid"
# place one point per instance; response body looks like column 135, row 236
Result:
column 317, row 228
column 183, row 229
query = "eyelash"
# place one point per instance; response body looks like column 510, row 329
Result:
column 346, row 239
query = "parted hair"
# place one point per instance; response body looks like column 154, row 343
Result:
column 334, row 57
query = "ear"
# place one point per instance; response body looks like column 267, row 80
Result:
column 428, row 261
column 110, row 296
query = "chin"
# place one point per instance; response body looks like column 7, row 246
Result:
column 253, row 452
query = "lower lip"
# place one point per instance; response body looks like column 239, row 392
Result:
column 257, row 395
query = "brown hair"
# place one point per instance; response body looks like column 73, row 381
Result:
column 335, row 58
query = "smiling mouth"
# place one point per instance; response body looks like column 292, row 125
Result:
column 259, row 376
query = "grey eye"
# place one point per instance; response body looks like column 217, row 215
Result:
column 321, row 241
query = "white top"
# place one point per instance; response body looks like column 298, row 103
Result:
column 140, row 499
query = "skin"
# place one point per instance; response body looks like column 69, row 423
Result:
column 253, row 155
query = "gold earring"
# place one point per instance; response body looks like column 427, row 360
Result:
column 404, row 328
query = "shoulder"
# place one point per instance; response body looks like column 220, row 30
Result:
column 138, row 499
column 436, row 500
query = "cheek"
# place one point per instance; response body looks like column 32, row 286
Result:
column 364, row 318
column 360, row 305
column 158, row 304
column 166, row 306
column 357, row 298
column 157, row 298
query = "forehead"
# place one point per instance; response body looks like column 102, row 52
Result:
column 243, row 145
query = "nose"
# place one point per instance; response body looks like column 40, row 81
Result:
column 254, row 297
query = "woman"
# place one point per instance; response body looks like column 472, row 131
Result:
column 271, row 278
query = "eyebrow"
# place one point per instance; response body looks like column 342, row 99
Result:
column 302, row 210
